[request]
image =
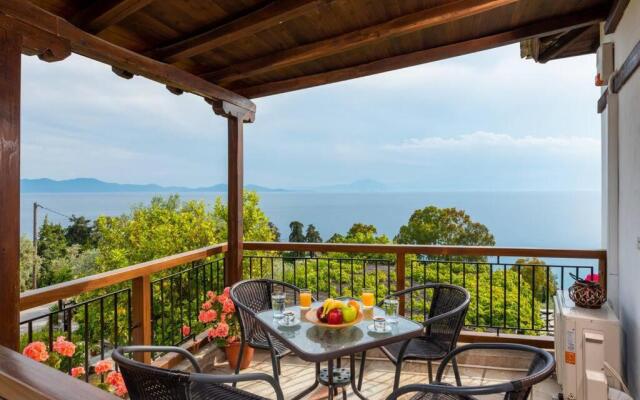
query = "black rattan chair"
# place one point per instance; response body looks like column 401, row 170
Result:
column 146, row 382
column 443, row 321
column 540, row 367
column 251, row 297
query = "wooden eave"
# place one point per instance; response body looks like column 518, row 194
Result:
column 231, row 50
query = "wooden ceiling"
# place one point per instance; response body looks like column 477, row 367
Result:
column 258, row 47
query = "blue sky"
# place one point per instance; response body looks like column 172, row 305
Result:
column 485, row 121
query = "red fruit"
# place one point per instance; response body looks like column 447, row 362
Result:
column 320, row 317
column 335, row 317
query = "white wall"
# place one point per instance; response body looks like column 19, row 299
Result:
column 625, row 195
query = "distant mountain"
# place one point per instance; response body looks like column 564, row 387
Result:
column 91, row 185
column 359, row 186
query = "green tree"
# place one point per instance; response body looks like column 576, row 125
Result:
column 530, row 267
column 444, row 226
column 52, row 244
column 80, row 232
column 312, row 235
column 29, row 262
column 297, row 233
column 275, row 231
column 360, row 233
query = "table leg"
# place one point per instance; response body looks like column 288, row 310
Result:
column 352, row 368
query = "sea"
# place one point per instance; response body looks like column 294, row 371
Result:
column 570, row 219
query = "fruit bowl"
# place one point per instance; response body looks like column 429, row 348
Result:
column 312, row 317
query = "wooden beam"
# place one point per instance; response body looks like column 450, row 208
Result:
column 64, row 290
column 270, row 15
column 435, row 250
column 540, row 28
column 561, row 44
column 46, row 46
column 101, row 50
column 23, row 378
column 615, row 15
column 233, row 265
column 602, row 101
column 141, row 315
column 100, row 15
column 10, row 53
column 427, row 18
column 628, row 68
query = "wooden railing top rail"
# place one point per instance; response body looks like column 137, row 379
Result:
column 597, row 254
column 23, row 378
column 46, row 295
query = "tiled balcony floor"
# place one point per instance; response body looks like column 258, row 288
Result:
column 298, row 375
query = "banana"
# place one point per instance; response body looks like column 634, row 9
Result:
column 330, row 304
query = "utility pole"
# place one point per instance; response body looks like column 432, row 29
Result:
column 35, row 242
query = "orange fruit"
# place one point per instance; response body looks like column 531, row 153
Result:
column 355, row 305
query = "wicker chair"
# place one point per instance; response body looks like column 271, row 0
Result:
column 147, row 382
column 540, row 367
column 251, row 297
column 442, row 322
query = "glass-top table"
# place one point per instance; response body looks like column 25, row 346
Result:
column 318, row 344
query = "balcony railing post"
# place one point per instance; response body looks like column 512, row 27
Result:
column 141, row 315
column 400, row 277
column 602, row 273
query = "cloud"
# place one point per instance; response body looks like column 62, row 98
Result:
column 481, row 141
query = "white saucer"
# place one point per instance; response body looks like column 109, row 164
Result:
column 371, row 329
column 283, row 324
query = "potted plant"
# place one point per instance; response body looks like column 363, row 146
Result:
column 219, row 313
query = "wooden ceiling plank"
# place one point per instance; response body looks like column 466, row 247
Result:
column 562, row 43
column 93, row 47
column 615, row 15
column 102, row 14
column 398, row 26
column 544, row 27
column 266, row 17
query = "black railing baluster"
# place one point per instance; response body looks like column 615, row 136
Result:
column 86, row 341
column 519, row 279
column 504, row 296
column 340, row 279
column 547, row 297
column 102, row 328
column 533, row 297
column 115, row 319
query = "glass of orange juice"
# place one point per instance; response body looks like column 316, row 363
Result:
column 305, row 298
column 368, row 298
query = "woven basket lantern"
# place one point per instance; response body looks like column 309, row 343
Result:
column 587, row 295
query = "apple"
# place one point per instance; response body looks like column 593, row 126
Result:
column 335, row 317
column 319, row 315
column 349, row 313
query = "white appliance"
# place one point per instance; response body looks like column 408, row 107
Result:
column 584, row 340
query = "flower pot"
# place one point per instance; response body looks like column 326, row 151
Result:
column 233, row 349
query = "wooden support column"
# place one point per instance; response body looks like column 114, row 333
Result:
column 10, row 52
column 141, row 315
column 236, row 117
column 233, row 267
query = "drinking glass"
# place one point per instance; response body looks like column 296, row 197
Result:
column 368, row 298
column 305, row 298
column 278, row 298
column 390, row 306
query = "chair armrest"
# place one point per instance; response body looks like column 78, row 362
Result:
column 498, row 346
column 163, row 349
column 457, row 390
column 222, row 379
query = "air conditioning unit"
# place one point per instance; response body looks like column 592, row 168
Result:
column 584, row 340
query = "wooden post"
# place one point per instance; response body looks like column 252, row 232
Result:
column 141, row 315
column 10, row 52
column 602, row 273
column 400, row 277
column 233, row 267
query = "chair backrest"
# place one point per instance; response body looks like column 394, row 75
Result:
column 452, row 300
column 152, row 383
column 447, row 310
column 538, row 364
column 254, row 296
